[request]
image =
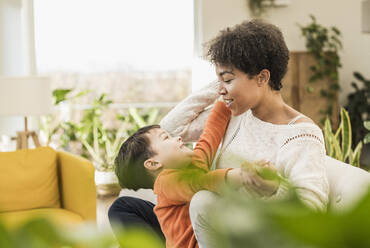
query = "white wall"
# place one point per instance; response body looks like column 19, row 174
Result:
column 12, row 58
column 344, row 14
column 10, row 37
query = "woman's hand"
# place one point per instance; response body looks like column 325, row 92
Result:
column 234, row 178
column 260, row 179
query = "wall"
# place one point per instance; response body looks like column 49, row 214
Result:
column 214, row 15
column 12, row 58
column 10, row 37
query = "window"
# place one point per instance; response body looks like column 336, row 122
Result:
column 132, row 50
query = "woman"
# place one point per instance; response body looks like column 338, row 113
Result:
column 251, row 59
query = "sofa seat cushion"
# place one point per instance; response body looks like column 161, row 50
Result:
column 56, row 215
column 348, row 184
column 28, row 179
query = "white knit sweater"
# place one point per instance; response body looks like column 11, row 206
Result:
column 296, row 150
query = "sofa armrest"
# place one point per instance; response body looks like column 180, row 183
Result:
column 77, row 185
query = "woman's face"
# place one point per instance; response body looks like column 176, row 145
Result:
column 239, row 91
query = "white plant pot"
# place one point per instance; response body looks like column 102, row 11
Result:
column 105, row 177
column 107, row 183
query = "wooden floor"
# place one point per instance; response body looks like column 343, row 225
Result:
column 102, row 207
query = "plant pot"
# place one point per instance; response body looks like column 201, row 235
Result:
column 107, row 184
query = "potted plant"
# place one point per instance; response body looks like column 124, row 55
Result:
column 339, row 144
column 313, row 75
column 358, row 106
column 97, row 142
column 60, row 128
column 100, row 144
column 103, row 144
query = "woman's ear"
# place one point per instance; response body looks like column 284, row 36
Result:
column 263, row 77
column 152, row 165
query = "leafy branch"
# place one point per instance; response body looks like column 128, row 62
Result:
column 260, row 7
column 324, row 45
column 358, row 106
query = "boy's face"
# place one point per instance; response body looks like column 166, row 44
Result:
column 171, row 152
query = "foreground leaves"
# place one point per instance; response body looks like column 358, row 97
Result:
column 240, row 221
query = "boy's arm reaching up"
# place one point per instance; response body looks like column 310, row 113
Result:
column 214, row 129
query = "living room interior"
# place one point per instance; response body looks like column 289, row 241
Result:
column 77, row 78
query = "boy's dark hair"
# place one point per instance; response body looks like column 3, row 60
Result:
column 251, row 47
column 129, row 163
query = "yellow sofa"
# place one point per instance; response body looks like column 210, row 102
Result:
column 46, row 183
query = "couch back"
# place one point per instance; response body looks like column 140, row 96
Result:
column 29, row 179
column 347, row 183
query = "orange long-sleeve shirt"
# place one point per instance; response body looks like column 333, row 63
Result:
column 175, row 187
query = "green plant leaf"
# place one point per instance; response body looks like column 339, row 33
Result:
column 92, row 152
column 367, row 138
column 310, row 89
column 138, row 119
column 328, row 136
column 337, row 154
column 82, row 93
column 367, row 125
column 139, row 238
column 96, row 137
column 153, row 114
column 338, row 132
column 6, row 239
column 60, row 95
column 346, row 134
column 356, row 155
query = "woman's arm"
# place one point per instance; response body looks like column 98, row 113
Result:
column 302, row 160
column 187, row 119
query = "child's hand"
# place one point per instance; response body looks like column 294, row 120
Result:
column 260, row 178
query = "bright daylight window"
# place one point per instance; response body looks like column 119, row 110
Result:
column 135, row 51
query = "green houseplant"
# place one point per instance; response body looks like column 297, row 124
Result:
column 324, row 45
column 339, row 144
column 367, row 137
column 50, row 126
column 102, row 143
column 259, row 7
column 98, row 142
column 358, row 106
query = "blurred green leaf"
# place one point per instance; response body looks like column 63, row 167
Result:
column 367, row 138
column 60, row 95
column 367, row 125
column 240, row 221
column 346, row 134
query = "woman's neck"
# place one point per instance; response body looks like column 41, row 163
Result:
column 273, row 109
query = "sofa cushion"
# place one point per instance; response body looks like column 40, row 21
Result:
column 28, row 179
column 348, row 184
column 56, row 215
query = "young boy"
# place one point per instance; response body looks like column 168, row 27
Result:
column 151, row 158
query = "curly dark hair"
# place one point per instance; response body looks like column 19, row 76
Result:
column 251, row 47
